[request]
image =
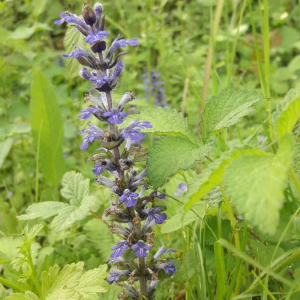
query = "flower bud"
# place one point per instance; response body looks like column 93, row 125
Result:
column 89, row 15
column 99, row 47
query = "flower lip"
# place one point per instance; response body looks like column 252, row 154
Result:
column 128, row 198
column 161, row 251
column 141, row 247
column 114, row 116
column 122, row 245
column 168, row 267
column 153, row 214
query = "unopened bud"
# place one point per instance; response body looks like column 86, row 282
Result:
column 89, row 15
column 99, row 47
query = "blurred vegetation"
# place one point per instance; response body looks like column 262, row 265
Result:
column 174, row 41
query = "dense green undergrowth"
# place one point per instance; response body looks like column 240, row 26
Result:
column 230, row 131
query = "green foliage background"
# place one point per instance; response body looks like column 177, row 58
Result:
column 41, row 96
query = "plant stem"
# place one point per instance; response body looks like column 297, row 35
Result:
column 112, row 127
column 9, row 284
column 143, row 280
column 295, row 180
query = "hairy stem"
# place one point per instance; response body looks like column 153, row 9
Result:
column 143, row 280
column 112, row 127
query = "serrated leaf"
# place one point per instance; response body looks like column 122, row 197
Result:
column 225, row 110
column 212, row 176
column 73, row 283
column 256, row 185
column 164, row 121
column 179, row 221
column 47, row 128
column 76, row 190
column 8, row 249
column 288, row 112
column 72, row 38
column 75, row 187
column 168, row 155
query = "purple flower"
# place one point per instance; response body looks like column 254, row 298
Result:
column 132, row 133
column 70, row 18
column 161, row 251
column 116, row 274
column 155, row 195
column 154, row 88
column 117, row 72
column 120, row 43
column 97, row 78
column 95, row 35
column 153, row 214
column 116, row 260
column 128, row 198
column 182, row 188
column 87, row 112
column 141, row 247
column 93, row 133
column 115, row 116
column 98, row 168
column 78, row 53
column 168, row 267
column 122, row 245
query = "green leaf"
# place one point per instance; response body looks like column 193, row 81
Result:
column 256, row 185
column 76, row 190
column 47, row 127
column 101, row 237
column 213, row 175
column 73, row 283
column 164, row 121
column 73, row 38
column 8, row 248
column 177, row 222
column 187, row 269
column 27, row 296
column 288, row 112
column 225, row 110
column 4, row 149
column 168, row 155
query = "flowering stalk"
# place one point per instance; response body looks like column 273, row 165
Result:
column 132, row 213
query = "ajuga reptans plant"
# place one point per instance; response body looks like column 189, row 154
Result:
column 133, row 211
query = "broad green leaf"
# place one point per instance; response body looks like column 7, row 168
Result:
column 47, row 127
column 168, row 155
column 72, row 38
column 76, row 190
column 4, row 149
column 27, row 296
column 256, row 185
column 73, row 283
column 75, row 187
column 225, row 110
column 164, row 121
column 177, row 222
column 288, row 112
column 212, row 176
